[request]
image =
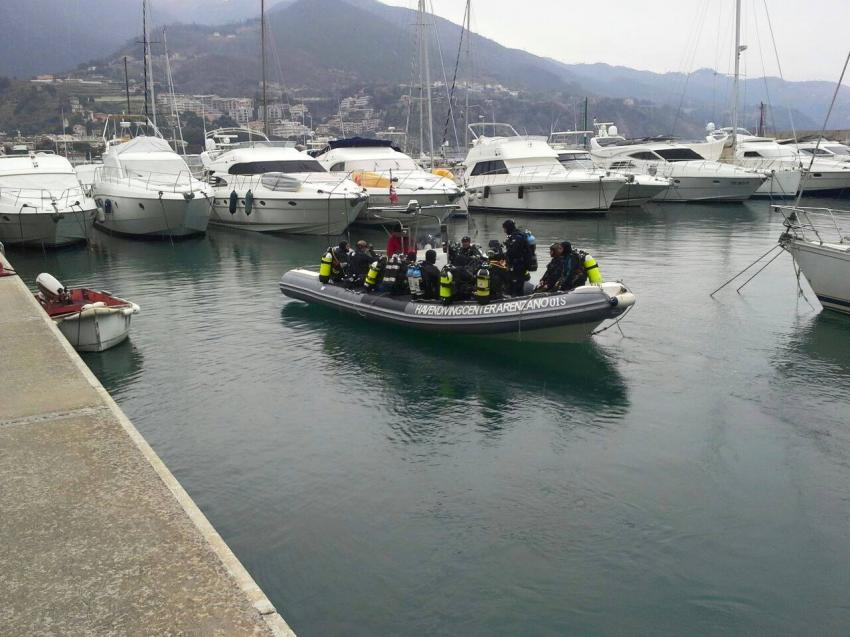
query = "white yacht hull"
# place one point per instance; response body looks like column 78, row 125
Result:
column 46, row 229
column 292, row 215
column 826, row 181
column 826, row 268
column 544, row 198
column 710, row 188
column 146, row 215
column 780, row 183
column 637, row 194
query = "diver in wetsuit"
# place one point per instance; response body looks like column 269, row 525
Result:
column 516, row 253
column 430, row 276
column 359, row 262
column 553, row 278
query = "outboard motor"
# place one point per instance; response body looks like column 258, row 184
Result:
column 50, row 287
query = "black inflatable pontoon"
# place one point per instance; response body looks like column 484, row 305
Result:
column 563, row 316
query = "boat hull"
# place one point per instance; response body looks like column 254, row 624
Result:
column 544, row 198
column 96, row 329
column 710, row 188
column 544, row 317
column 146, row 215
column 780, row 184
column 48, row 229
column 824, row 182
column 637, row 194
column 291, row 215
column 826, row 268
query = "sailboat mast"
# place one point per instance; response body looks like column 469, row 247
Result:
column 468, row 75
column 426, row 75
column 147, row 61
column 127, row 84
column 145, row 53
column 263, row 64
column 737, row 72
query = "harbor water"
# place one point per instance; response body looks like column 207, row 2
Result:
column 689, row 474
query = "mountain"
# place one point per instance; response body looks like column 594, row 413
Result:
column 335, row 48
column 56, row 35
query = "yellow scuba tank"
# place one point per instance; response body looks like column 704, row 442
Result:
column 372, row 275
column 482, row 286
column 592, row 268
column 446, row 280
column 325, row 267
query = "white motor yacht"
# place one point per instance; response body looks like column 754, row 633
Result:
column 825, row 149
column 41, row 201
column 821, row 250
column 509, row 172
column 821, row 176
column 639, row 188
column 270, row 186
column 145, row 189
column 391, row 178
column 694, row 177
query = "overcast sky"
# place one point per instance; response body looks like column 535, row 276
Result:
column 668, row 35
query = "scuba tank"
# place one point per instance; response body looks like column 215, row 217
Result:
column 391, row 272
column 446, row 280
column 325, row 267
column 532, row 251
column 592, row 269
column 414, row 280
column 482, row 285
column 373, row 274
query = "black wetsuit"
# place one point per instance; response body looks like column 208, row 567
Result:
column 516, row 253
column 359, row 262
column 552, row 279
column 430, row 280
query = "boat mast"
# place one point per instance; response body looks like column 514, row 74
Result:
column 127, row 84
column 468, row 75
column 426, row 74
column 738, row 50
column 148, row 62
column 145, row 53
column 263, row 65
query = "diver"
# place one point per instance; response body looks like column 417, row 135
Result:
column 465, row 255
column 359, row 262
column 339, row 266
column 574, row 272
column 517, row 250
column 430, row 276
column 553, row 279
column 499, row 275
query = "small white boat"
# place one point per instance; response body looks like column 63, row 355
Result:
column 91, row 320
column 821, row 250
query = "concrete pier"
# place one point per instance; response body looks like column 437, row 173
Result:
column 96, row 536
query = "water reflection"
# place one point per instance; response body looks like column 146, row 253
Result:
column 118, row 368
column 455, row 377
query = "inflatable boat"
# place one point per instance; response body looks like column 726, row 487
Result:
column 558, row 317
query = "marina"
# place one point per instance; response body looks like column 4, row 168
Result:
column 687, row 472
column 341, row 317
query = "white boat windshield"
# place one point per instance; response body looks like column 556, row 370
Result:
column 376, row 165
column 276, row 166
column 576, row 160
column 838, row 149
column 820, row 152
column 679, row 154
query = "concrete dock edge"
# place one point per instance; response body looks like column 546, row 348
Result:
column 269, row 620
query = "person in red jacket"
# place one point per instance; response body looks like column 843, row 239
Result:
column 398, row 244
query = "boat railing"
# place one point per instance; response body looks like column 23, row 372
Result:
column 814, row 224
column 25, row 196
column 179, row 182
